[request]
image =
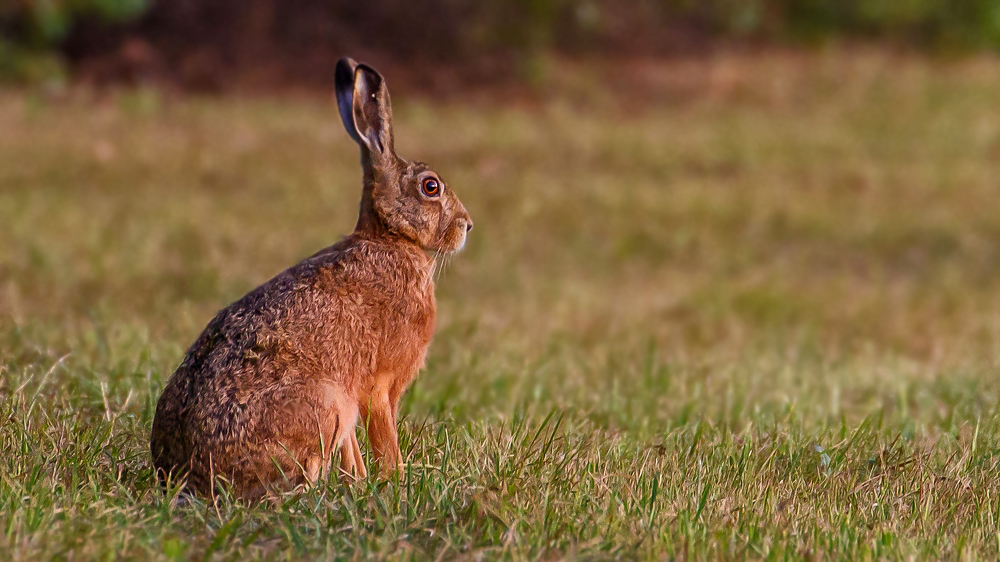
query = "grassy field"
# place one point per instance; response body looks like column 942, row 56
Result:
column 754, row 314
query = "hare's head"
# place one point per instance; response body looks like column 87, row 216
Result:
column 403, row 198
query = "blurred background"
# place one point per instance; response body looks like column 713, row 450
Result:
column 746, row 252
column 220, row 44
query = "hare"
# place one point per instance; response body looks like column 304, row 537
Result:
column 278, row 380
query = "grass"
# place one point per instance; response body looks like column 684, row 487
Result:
column 749, row 310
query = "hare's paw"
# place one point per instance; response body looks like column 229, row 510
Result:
column 352, row 465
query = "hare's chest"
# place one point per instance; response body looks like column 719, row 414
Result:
column 408, row 337
column 422, row 322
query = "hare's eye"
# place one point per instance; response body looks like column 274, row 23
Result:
column 430, row 187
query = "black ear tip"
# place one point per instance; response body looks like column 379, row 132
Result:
column 370, row 75
column 343, row 79
column 344, row 72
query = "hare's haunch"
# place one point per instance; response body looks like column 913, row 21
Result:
column 277, row 381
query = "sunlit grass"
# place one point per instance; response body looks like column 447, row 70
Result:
column 756, row 315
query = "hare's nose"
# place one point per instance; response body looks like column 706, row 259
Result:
column 468, row 225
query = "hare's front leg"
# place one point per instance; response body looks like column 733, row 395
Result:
column 380, row 418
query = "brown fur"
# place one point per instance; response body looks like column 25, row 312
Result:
column 277, row 381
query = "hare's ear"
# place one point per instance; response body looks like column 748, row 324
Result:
column 344, row 85
column 372, row 111
column 363, row 101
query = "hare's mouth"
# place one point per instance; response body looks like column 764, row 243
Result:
column 455, row 239
column 462, row 237
column 455, row 243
